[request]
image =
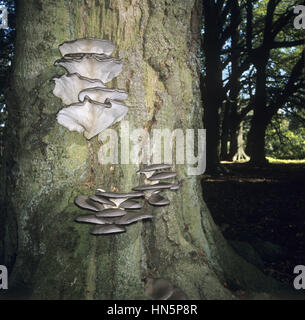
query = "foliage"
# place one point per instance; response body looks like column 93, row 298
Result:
column 285, row 138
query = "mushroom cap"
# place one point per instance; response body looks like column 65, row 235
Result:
column 85, row 203
column 162, row 175
column 130, row 204
column 161, row 185
column 87, row 45
column 158, row 288
column 93, row 66
column 90, row 218
column 68, row 86
column 121, row 195
column 111, row 212
column 101, row 199
column 131, row 217
column 156, row 200
column 106, row 229
column 91, row 117
column 175, row 187
column 101, row 94
column 155, row 167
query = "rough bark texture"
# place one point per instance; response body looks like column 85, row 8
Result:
column 47, row 166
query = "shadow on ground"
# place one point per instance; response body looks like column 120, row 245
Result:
column 261, row 211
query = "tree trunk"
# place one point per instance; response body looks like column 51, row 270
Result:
column 256, row 136
column 225, row 133
column 213, row 84
column 47, row 253
column 240, row 154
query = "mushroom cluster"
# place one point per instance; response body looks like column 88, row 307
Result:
column 92, row 107
column 112, row 211
column 154, row 183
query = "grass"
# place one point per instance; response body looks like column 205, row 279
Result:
column 273, row 160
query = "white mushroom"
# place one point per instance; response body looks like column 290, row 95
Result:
column 91, row 117
column 101, row 94
column 87, row 45
column 68, row 86
column 93, row 66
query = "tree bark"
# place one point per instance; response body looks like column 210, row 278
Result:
column 48, row 254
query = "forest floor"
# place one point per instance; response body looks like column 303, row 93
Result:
column 261, row 212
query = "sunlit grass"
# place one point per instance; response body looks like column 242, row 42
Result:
column 272, row 160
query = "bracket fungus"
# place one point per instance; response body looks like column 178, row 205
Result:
column 153, row 186
column 110, row 214
column 87, row 45
column 91, row 117
column 91, row 106
column 68, row 86
column 111, row 207
column 102, row 94
column 91, row 65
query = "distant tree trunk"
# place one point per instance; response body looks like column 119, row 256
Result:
column 224, row 150
column 240, row 154
column 256, row 136
column 50, row 255
column 232, row 104
column 213, row 84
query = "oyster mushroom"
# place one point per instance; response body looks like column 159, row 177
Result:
column 68, row 86
column 106, row 229
column 111, row 212
column 90, row 65
column 85, row 203
column 90, row 218
column 91, row 117
column 101, row 199
column 156, row 200
column 130, row 204
column 101, row 94
column 119, row 198
column 162, row 176
column 154, row 167
column 158, row 288
column 157, row 186
column 131, row 217
column 87, row 45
